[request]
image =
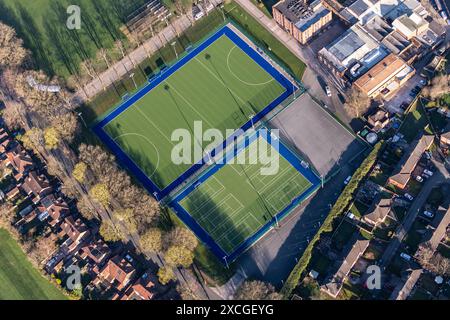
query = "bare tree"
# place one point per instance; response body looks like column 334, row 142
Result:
column 439, row 86
column 357, row 103
column 256, row 290
column 12, row 52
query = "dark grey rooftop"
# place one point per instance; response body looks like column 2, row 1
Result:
column 344, row 46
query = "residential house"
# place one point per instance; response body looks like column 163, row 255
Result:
column 95, row 254
column 142, row 289
column 301, row 20
column 409, row 161
column 385, row 78
column 20, row 160
column 334, row 284
column 403, row 289
column 75, row 233
column 378, row 212
column 37, row 185
column 445, row 139
column 12, row 194
column 116, row 274
column 437, row 229
column 378, row 120
column 56, row 209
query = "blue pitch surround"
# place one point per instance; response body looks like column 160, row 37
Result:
column 223, row 256
column 126, row 161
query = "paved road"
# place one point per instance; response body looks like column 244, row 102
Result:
column 440, row 176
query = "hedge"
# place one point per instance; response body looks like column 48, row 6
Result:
column 339, row 207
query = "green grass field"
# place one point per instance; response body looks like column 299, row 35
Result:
column 238, row 200
column 19, row 280
column 222, row 87
column 56, row 49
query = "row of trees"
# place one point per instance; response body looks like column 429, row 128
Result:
column 50, row 121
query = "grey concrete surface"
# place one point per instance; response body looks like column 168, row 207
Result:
column 316, row 135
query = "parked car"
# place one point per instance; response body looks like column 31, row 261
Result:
column 328, row 91
column 408, row 196
column 419, row 179
column 347, row 180
column 428, row 172
column 405, row 256
column 428, row 214
column 351, row 215
column 423, row 82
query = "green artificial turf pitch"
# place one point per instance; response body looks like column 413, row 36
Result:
column 237, row 200
column 221, row 86
column 19, row 280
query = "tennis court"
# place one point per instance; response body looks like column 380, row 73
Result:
column 223, row 83
column 235, row 204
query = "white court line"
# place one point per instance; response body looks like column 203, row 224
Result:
column 154, row 125
column 245, row 82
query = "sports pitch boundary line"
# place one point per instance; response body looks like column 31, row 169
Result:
column 206, row 238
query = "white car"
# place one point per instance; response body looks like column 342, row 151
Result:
column 351, row 215
column 419, row 179
column 327, row 89
column 408, row 196
column 347, row 180
column 405, row 256
column 428, row 172
column 428, row 214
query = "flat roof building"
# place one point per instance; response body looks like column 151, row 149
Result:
column 353, row 53
column 385, row 77
column 301, row 20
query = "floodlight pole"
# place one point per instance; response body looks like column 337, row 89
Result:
column 251, row 120
column 132, row 78
column 223, row 12
column 173, row 44
column 80, row 115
